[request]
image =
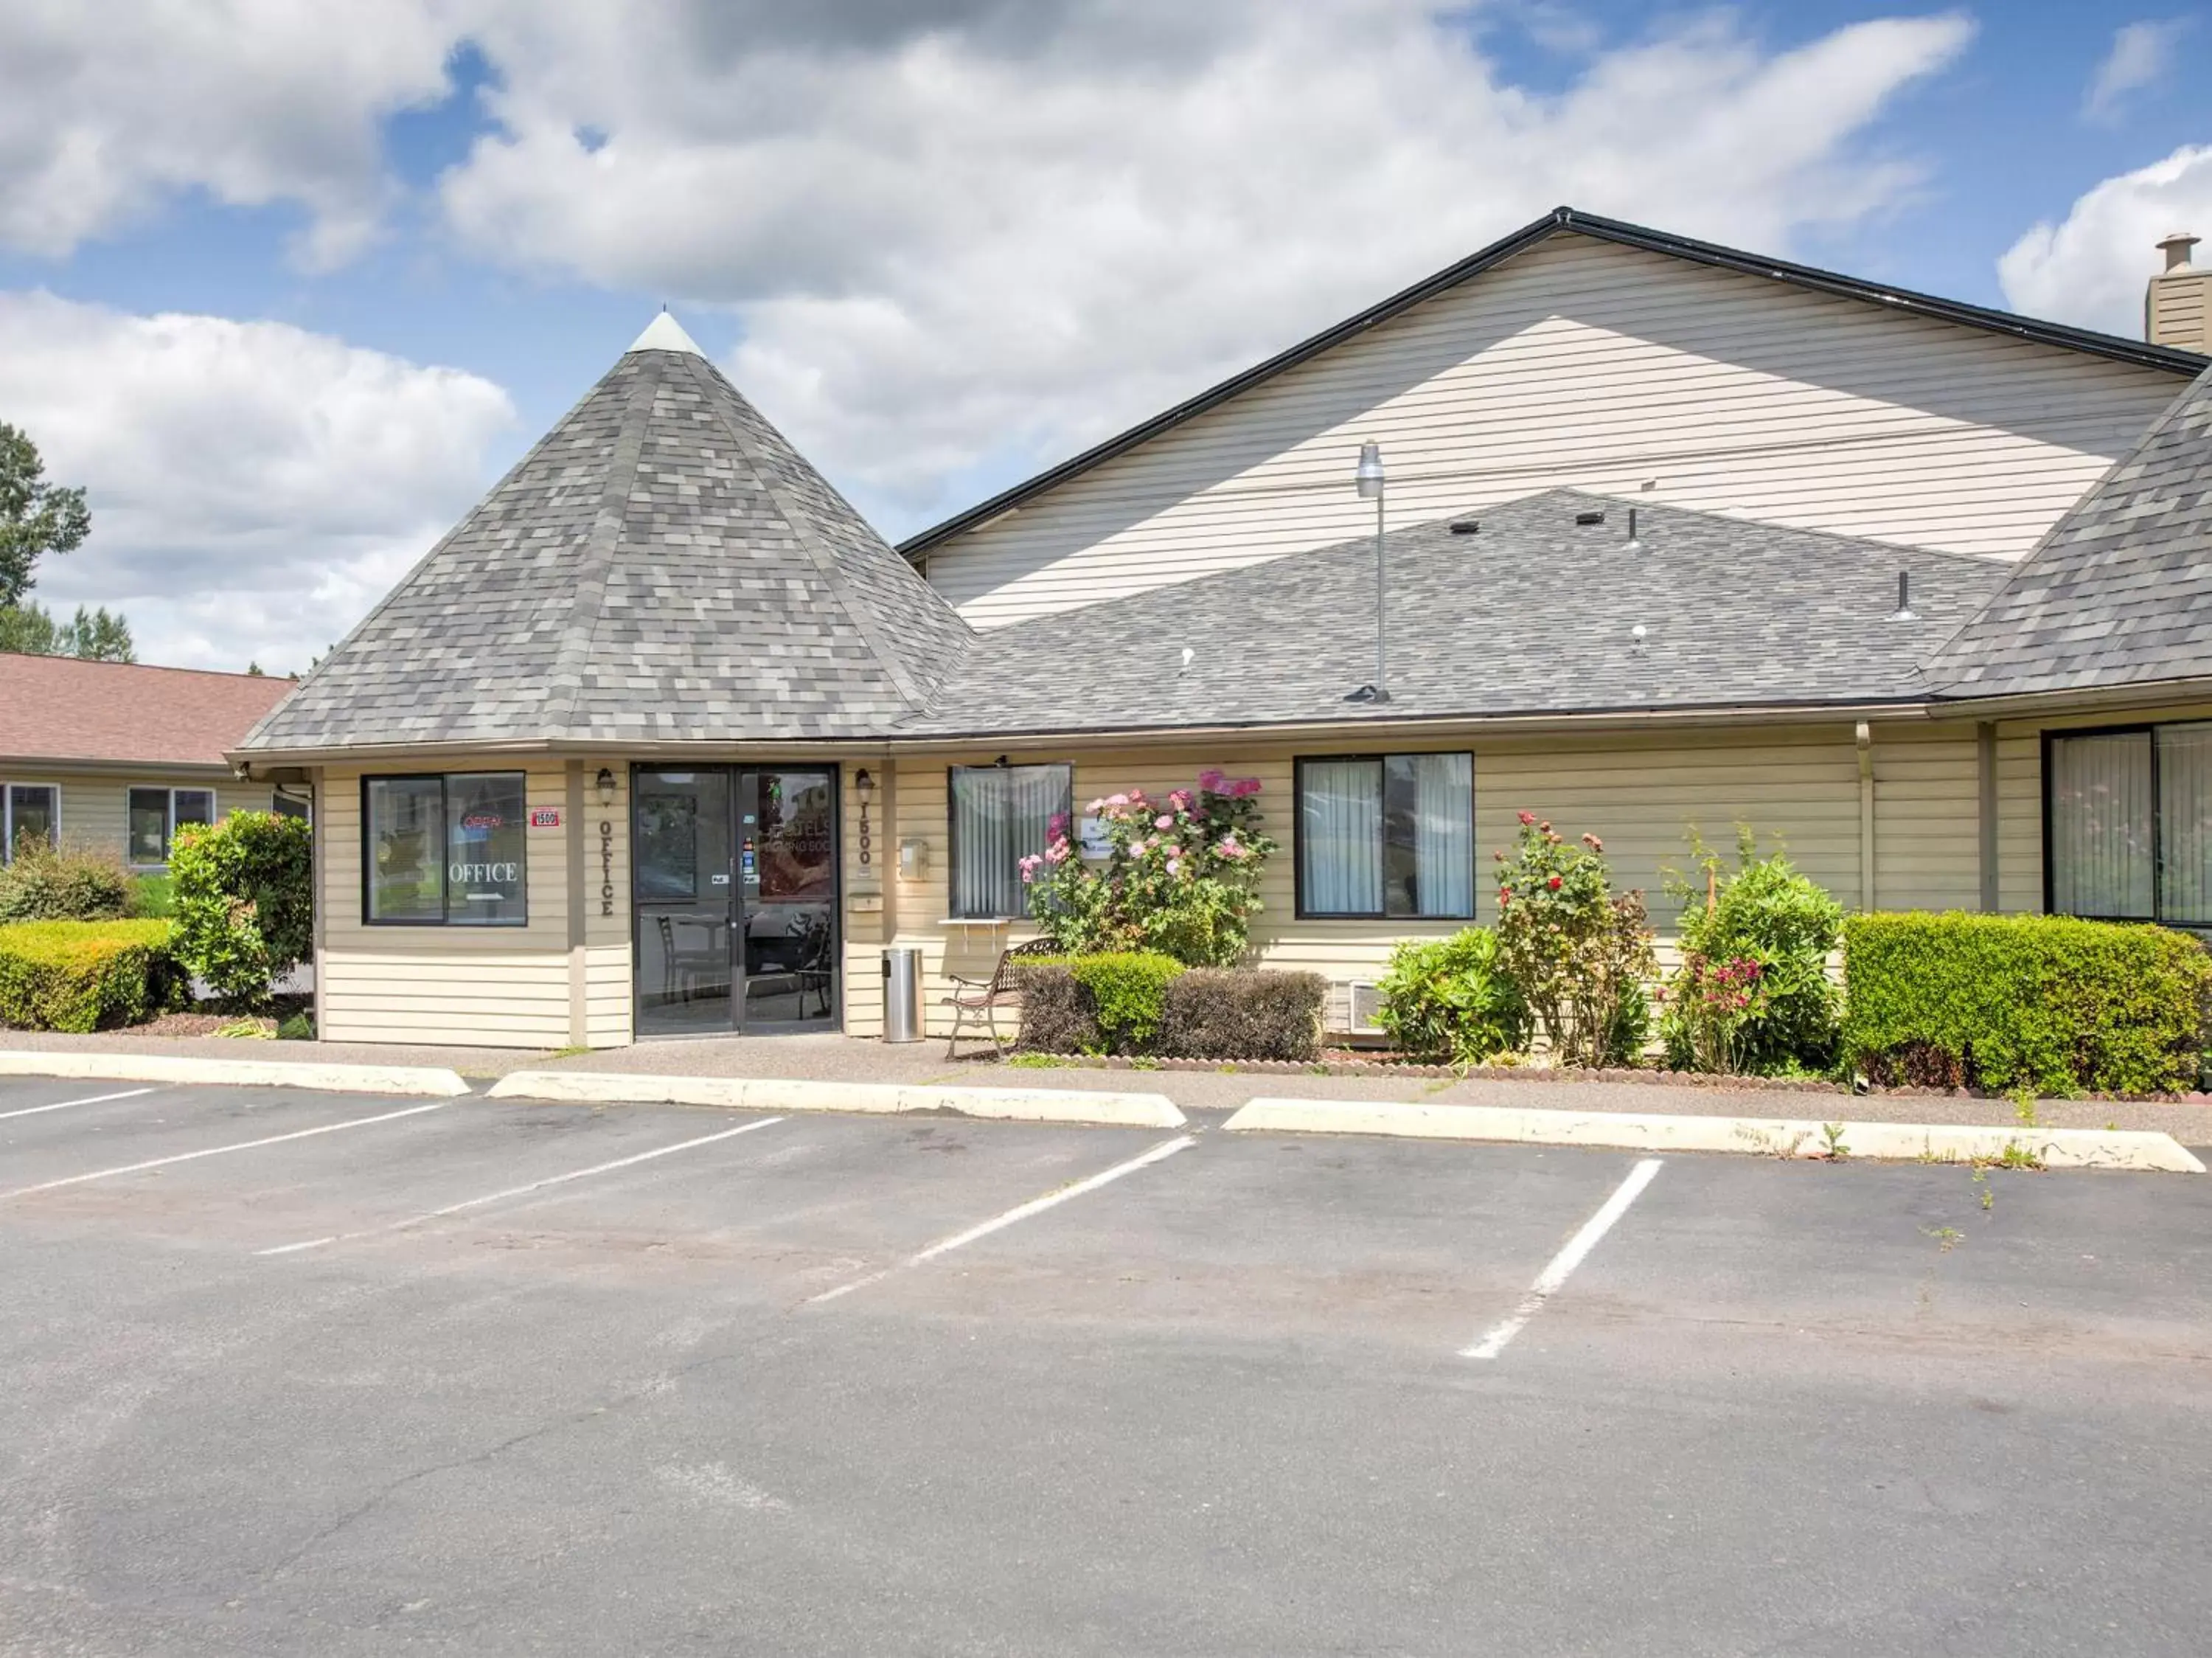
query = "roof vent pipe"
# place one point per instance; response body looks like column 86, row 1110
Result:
column 1634, row 545
column 1903, row 613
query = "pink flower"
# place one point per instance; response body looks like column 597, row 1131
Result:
column 1057, row 825
column 1243, row 788
column 1163, row 821
column 1175, row 866
column 1211, row 780
column 1097, row 806
column 1527, row 818
column 1117, row 800
column 1179, row 800
column 1058, row 852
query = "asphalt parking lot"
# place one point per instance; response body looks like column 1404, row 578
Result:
column 289, row 1372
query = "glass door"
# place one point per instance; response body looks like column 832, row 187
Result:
column 684, row 897
column 788, row 876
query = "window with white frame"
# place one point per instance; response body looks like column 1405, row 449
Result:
column 1387, row 836
column 1001, row 814
column 29, row 812
column 2128, row 824
column 153, row 816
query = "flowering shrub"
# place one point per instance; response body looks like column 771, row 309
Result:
column 1752, row 995
column 1181, row 876
column 1577, row 952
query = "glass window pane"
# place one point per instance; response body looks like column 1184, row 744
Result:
column 34, row 814
column 291, row 806
column 1340, row 837
column 1428, row 829
column 487, row 820
column 2101, row 825
column 194, row 805
column 407, row 838
column 1000, row 815
column 2185, row 825
column 150, row 825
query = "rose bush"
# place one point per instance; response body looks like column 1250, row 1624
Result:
column 1578, row 953
column 1181, row 876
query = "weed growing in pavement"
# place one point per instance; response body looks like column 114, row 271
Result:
column 1141, row 1063
column 2023, row 1105
column 1948, row 1238
column 2016, row 1155
column 1036, row 1061
column 568, row 1052
column 1981, row 1178
column 1317, row 1071
column 1831, row 1135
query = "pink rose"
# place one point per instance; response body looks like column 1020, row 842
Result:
column 1058, row 852
column 1175, row 866
column 1527, row 818
column 1163, row 821
column 1244, row 787
column 1211, row 780
column 1096, row 807
column 1117, row 800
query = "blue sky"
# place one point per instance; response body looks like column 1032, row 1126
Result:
column 320, row 286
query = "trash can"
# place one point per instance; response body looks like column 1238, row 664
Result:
column 903, row 993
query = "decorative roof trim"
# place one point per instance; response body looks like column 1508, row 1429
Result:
column 2112, row 346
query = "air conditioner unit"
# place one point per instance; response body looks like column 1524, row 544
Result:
column 1355, row 1007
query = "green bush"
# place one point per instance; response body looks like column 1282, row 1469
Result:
column 84, row 975
column 2044, row 1002
column 1214, row 1013
column 1752, row 995
column 1450, row 999
column 244, row 900
column 1578, row 953
column 44, row 884
column 152, row 896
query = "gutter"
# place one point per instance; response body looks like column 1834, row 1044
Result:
column 2010, row 704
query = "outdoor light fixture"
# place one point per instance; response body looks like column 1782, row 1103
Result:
column 1368, row 477
column 863, row 785
column 606, row 787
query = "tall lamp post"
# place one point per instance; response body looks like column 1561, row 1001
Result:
column 1370, row 480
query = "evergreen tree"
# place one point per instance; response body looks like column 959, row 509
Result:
column 36, row 517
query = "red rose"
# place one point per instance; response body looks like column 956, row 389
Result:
column 1555, row 883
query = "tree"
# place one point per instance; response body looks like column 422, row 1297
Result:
column 36, row 517
column 99, row 638
column 29, row 629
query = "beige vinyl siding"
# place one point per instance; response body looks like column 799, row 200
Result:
column 95, row 810
column 1582, row 362
column 476, row 986
column 1797, row 786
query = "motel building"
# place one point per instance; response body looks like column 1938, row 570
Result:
column 1653, row 536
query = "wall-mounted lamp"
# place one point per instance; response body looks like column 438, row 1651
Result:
column 914, row 859
column 606, row 785
column 863, row 785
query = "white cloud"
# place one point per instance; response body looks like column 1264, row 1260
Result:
column 107, row 108
column 964, row 234
column 2090, row 270
column 254, row 487
column 2141, row 57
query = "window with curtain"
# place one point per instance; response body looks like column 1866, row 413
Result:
column 1002, row 814
column 2130, row 816
column 1389, row 835
column 445, row 851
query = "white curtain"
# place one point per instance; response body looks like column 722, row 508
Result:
column 1340, row 837
column 2184, row 824
column 1000, row 815
column 1443, row 834
column 2101, row 825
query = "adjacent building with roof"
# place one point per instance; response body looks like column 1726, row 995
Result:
column 111, row 757
column 663, row 739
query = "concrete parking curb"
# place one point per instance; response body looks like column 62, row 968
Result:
column 1766, row 1136
column 784, row 1093
column 426, row 1082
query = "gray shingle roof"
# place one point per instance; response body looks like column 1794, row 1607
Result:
column 1530, row 615
column 662, row 565
column 2120, row 591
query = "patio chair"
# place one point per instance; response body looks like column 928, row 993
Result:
column 977, row 1001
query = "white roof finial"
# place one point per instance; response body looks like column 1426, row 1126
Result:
column 665, row 333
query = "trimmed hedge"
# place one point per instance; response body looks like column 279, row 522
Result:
column 1109, row 1002
column 1217, row 1013
column 84, row 975
column 2057, row 1004
column 1140, row 1003
column 43, row 884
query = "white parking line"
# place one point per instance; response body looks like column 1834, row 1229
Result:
column 64, row 1105
column 1563, row 1264
column 1034, row 1206
column 217, row 1151
column 520, row 1190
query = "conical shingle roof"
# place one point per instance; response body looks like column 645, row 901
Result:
column 662, row 566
